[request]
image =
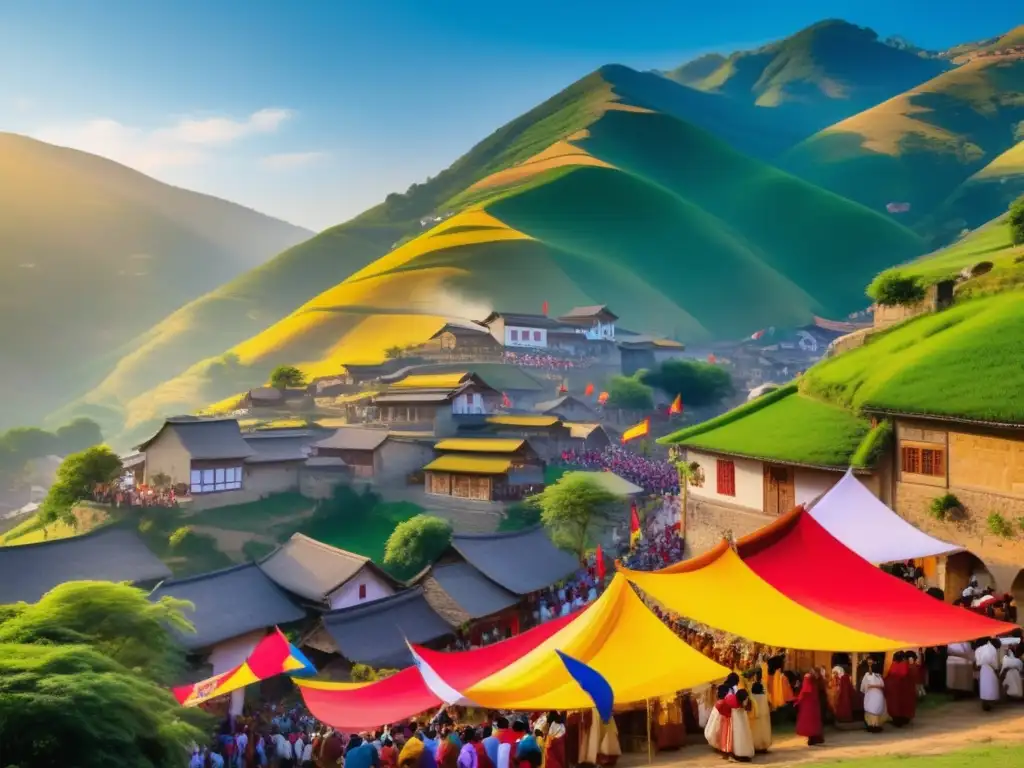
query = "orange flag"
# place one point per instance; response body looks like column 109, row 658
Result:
column 589, row 390
column 602, row 398
column 637, row 430
column 677, row 406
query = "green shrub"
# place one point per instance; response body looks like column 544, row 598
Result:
column 1017, row 221
column 943, row 505
column 179, row 536
column 999, row 526
column 894, row 289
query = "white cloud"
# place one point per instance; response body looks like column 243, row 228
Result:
column 288, row 160
column 183, row 143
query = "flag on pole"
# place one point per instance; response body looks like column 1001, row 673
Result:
column 593, row 684
column 602, row 398
column 757, row 335
column 677, row 406
column 634, row 525
column 562, row 388
column 544, row 309
column 589, row 390
column 505, row 402
column 600, row 569
column 637, row 430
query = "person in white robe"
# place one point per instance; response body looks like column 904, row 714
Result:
column 742, row 734
column 873, row 687
column 713, row 727
column 986, row 656
column 960, row 668
column 1011, row 671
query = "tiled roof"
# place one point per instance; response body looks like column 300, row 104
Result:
column 207, row 439
column 313, row 570
column 354, row 439
column 521, row 561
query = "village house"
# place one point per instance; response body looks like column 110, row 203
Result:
column 547, row 435
column 517, row 387
column 567, row 408
column 642, row 352
column 483, row 469
column 29, row 571
column 374, row 454
column 428, row 402
column 461, row 340
column 771, row 454
column 326, row 577
column 516, row 330
column 234, row 609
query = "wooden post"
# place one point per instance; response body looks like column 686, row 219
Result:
column 650, row 745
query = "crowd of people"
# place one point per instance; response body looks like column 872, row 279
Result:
column 655, row 476
column 545, row 361
column 138, row 496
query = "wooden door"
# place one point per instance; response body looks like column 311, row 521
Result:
column 779, row 489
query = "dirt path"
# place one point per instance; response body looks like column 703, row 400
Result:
column 957, row 726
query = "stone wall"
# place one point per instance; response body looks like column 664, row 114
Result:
column 708, row 523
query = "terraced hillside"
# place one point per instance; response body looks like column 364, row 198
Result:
column 93, row 253
column 921, row 146
column 679, row 232
column 822, row 74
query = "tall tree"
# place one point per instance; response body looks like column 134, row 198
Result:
column 415, row 543
column 285, row 376
column 77, row 477
column 571, row 509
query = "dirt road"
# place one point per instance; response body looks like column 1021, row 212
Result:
column 960, row 725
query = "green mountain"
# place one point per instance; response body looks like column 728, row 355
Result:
column 594, row 197
column 92, row 253
column 921, row 146
column 818, row 76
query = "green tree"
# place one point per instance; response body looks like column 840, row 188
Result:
column 894, row 289
column 690, row 474
column 285, row 376
column 77, row 477
column 78, row 435
column 629, row 393
column 1017, row 221
column 698, row 383
column 115, row 620
column 27, row 443
column 393, row 353
column 415, row 543
column 87, row 666
column 571, row 508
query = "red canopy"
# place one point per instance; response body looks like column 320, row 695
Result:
column 803, row 561
column 354, row 707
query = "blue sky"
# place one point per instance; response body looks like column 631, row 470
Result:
column 315, row 110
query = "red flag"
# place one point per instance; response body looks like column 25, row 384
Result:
column 677, row 406
column 712, row 359
column 589, row 390
column 505, row 402
column 757, row 335
column 599, row 554
column 634, row 525
column 562, row 389
column 544, row 309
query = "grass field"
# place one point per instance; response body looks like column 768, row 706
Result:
column 964, row 361
column 919, row 147
column 369, row 537
column 978, row 757
column 32, row 530
column 783, row 425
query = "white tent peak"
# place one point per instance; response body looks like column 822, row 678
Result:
column 864, row 524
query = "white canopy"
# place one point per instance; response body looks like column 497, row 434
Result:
column 856, row 517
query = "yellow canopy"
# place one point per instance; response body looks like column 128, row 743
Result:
column 720, row 590
column 619, row 637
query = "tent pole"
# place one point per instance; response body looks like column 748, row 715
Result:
column 650, row 746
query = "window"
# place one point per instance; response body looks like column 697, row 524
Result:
column 916, row 460
column 514, row 335
column 211, row 480
column 197, row 481
column 726, row 478
column 362, row 591
column 536, row 335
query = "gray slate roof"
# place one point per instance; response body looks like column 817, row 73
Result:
column 312, row 570
column 474, row 593
column 375, row 633
column 558, row 402
column 273, row 448
column 522, row 320
column 588, row 312
column 439, row 396
column 354, row 439
column 29, row 571
column 230, row 602
column 207, row 439
column 522, row 561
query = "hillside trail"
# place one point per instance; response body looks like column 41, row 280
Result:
column 956, row 726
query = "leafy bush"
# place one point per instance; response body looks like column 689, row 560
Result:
column 943, row 505
column 630, row 393
column 519, row 516
column 999, row 526
column 179, row 536
column 894, row 289
column 1017, row 221
column 698, row 383
column 416, row 543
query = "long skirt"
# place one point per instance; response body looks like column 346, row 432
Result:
column 959, row 675
column 713, row 729
column 1013, row 685
column 761, row 724
column 742, row 737
column 725, row 734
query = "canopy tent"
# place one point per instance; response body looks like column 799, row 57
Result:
column 273, row 655
column 792, row 584
column 617, row 636
column 358, row 706
column 857, row 518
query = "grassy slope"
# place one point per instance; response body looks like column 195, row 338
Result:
column 820, row 75
column 694, row 242
column 964, row 361
column 783, row 425
column 84, row 238
column 1001, row 756
column 921, row 145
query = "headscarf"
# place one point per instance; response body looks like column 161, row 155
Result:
column 409, row 757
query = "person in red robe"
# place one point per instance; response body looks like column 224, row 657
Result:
column 842, row 696
column 901, row 691
column 808, row 712
column 554, row 741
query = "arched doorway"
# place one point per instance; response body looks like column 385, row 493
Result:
column 961, row 567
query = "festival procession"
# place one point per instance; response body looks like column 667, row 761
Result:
column 792, row 627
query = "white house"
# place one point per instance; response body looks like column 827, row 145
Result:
column 518, row 330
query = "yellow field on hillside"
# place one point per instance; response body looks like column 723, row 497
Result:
column 559, row 155
column 1010, row 163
